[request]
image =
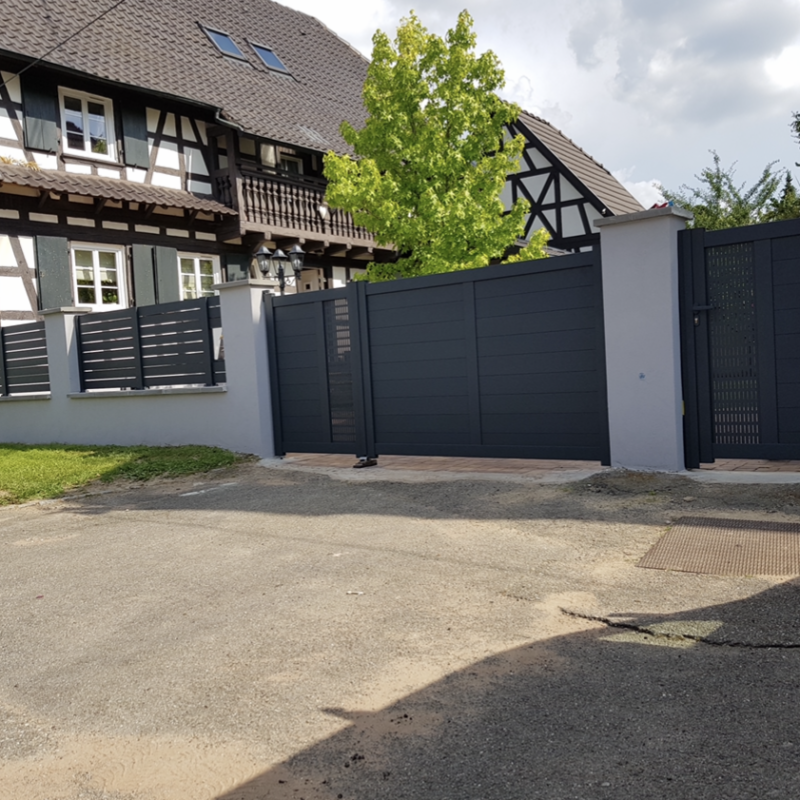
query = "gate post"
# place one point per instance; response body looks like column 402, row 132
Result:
column 248, row 421
column 642, row 338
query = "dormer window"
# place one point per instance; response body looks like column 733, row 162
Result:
column 267, row 55
column 224, row 43
column 87, row 125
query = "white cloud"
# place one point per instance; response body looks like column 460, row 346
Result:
column 646, row 192
column 784, row 70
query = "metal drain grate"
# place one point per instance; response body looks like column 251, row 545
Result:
column 727, row 547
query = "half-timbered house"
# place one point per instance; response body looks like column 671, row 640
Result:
column 148, row 148
column 149, row 155
column 567, row 189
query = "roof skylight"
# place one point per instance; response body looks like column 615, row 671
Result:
column 267, row 55
column 224, row 43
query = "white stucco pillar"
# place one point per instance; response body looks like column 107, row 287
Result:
column 642, row 332
column 62, row 350
column 247, row 421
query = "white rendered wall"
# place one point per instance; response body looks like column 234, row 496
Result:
column 238, row 417
column 642, row 332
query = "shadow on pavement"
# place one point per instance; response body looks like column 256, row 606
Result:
column 608, row 712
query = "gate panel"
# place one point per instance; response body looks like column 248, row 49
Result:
column 786, row 281
column 740, row 337
column 500, row 362
column 540, row 325
column 417, row 336
column 312, row 373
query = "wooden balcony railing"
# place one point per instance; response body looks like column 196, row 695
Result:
column 288, row 203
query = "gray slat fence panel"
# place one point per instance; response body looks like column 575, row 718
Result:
column 3, row 384
column 172, row 344
column 25, row 359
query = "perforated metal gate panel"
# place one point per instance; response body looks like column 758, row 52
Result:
column 733, row 343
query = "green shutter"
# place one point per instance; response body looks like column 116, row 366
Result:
column 237, row 266
column 134, row 136
column 40, row 116
column 144, row 279
column 53, row 271
column 168, row 287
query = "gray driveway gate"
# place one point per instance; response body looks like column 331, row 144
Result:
column 740, row 299
column 506, row 361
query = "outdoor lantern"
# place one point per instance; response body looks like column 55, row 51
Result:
column 279, row 259
column 263, row 256
column 296, row 256
column 323, row 210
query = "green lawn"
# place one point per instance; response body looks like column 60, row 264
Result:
column 34, row 472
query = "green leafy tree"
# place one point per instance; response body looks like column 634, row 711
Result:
column 536, row 248
column 433, row 156
column 720, row 203
column 787, row 206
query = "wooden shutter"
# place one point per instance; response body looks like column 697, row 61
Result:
column 168, row 287
column 237, row 266
column 54, row 272
column 134, row 136
column 144, row 279
column 40, row 116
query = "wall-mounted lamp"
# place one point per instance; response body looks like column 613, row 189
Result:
column 323, row 210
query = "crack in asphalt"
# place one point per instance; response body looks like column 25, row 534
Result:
column 649, row 631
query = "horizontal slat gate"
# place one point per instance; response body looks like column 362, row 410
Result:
column 501, row 362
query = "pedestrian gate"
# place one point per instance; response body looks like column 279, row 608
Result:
column 740, row 301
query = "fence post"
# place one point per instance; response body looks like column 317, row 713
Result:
column 642, row 338
column 248, row 422
column 63, row 358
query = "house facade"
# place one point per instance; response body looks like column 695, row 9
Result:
column 151, row 155
column 149, row 149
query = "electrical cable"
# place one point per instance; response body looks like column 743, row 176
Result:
column 63, row 42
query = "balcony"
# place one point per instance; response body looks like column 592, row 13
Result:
column 283, row 205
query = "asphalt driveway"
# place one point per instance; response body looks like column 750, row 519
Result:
column 273, row 633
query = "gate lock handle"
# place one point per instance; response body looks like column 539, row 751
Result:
column 695, row 309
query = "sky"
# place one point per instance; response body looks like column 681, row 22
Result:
column 647, row 88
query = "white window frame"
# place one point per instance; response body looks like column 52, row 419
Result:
column 196, row 257
column 111, row 137
column 122, row 293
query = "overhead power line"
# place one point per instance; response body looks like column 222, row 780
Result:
column 63, row 42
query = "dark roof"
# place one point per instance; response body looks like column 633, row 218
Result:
column 594, row 176
column 109, row 188
column 158, row 45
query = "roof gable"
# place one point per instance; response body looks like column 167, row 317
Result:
column 593, row 175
